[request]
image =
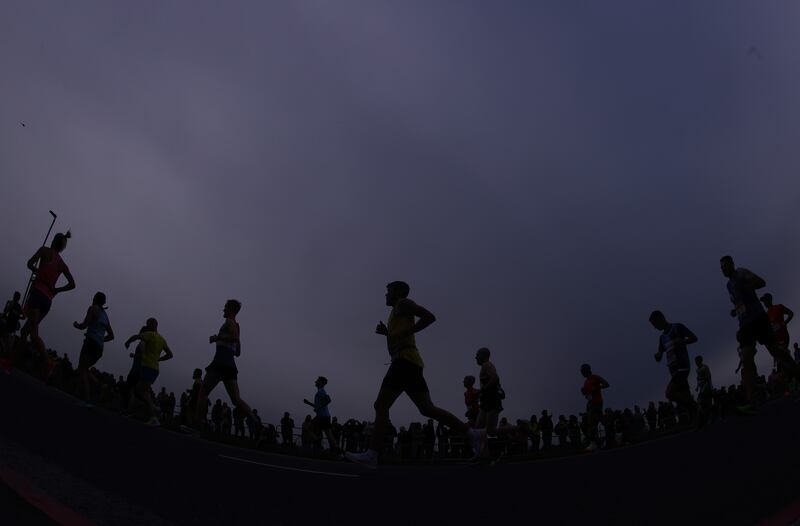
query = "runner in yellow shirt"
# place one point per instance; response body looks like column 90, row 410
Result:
column 154, row 344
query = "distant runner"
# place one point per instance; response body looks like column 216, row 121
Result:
column 98, row 332
column 322, row 418
column 592, row 390
column 134, row 375
column 223, row 367
column 491, row 394
column 672, row 342
column 154, row 345
column 471, row 400
column 405, row 374
column 47, row 266
column 779, row 317
column 704, row 388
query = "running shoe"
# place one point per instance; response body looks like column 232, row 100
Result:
column 589, row 448
column 153, row 422
column 746, row 409
column 368, row 459
column 477, row 440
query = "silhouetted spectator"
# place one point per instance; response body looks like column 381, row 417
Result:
column 253, row 424
column 562, row 431
column 546, row 425
column 535, row 433
column 216, row 416
column 287, row 430
column 238, row 422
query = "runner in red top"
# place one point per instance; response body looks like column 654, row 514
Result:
column 48, row 266
column 593, row 391
column 779, row 317
column 471, row 400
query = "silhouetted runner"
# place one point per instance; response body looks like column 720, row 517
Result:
column 223, row 367
column 491, row 393
column 134, row 375
column 754, row 327
column 98, row 332
column 322, row 415
column 779, row 317
column 672, row 342
column 47, row 266
column 704, row 388
column 592, row 390
column 471, row 400
column 405, row 374
column 154, row 345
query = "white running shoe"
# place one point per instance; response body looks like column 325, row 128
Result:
column 477, row 441
column 153, row 422
column 368, row 459
column 591, row 447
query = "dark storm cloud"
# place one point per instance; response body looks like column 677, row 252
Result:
column 543, row 176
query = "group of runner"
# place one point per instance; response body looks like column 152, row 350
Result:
column 405, row 373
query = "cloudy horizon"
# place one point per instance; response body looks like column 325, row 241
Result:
column 543, row 175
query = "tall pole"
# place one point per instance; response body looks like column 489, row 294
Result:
column 33, row 273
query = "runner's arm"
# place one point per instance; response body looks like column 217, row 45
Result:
column 167, row 354
column 752, row 279
column 603, row 383
column 70, row 282
column 132, row 339
column 34, row 260
column 660, row 352
column 789, row 314
column 109, row 333
column 91, row 315
column 425, row 316
column 688, row 336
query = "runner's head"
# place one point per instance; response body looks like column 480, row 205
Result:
column 321, row 382
column 658, row 320
column 482, row 355
column 99, row 300
column 766, row 299
column 698, row 360
column 727, row 266
column 396, row 291
column 152, row 324
column 586, row 370
column 232, row 308
column 198, row 373
column 17, row 296
column 60, row 241
column 469, row 381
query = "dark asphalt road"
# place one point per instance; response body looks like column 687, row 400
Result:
column 118, row 471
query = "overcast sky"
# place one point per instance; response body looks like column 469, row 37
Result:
column 543, row 174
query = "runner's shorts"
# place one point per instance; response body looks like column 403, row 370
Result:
column 148, row 375
column 322, row 422
column 38, row 300
column 224, row 371
column 91, row 352
column 759, row 330
column 405, row 376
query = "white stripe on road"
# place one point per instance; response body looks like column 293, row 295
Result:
column 348, row 475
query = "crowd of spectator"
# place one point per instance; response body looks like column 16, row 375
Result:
column 541, row 434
